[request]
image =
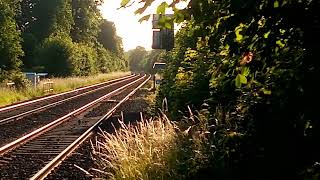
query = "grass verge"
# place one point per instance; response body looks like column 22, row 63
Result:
column 153, row 149
column 9, row 96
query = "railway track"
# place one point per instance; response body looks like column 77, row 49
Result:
column 35, row 155
column 81, row 164
column 21, row 123
column 25, row 108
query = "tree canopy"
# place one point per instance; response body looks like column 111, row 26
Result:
column 10, row 39
column 87, row 19
column 135, row 58
column 109, row 39
column 57, row 36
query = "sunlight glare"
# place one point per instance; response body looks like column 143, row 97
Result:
column 133, row 33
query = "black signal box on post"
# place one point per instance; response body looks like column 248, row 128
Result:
column 163, row 39
column 163, row 34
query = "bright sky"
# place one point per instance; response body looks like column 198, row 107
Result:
column 133, row 33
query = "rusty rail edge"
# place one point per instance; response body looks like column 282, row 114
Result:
column 44, row 172
column 8, row 147
column 60, row 94
column 9, row 119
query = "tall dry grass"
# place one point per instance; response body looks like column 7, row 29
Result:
column 9, row 95
column 145, row 150
column 70, row 83
column 156, row 149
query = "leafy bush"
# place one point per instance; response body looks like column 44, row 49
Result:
column 18, row 78
column 10, row 40
column 83, row 60
column 256, row 62
column 55, row 55
column 61, row 57
column 104, row 60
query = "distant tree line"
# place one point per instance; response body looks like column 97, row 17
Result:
column 61, row 37
column 141, row 60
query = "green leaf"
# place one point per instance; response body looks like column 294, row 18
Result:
column 144, row 18
column 124, row 3
column 237, row 81
column 243, row 79
column 276, row 4
column 245, row 71
column 162, row 8
column 166, row 22
column 168, row 25
column 225, row 50
column 266, row 92
column 142, row 9
column 280, row 43
column 240, row 79
column 266, row 35
column 239, row 37
column 178, row 16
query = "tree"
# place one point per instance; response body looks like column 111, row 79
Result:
column 87, row 19
column 59, row 36
column 40, row 19
column 55, row 55
column 10, row 40
column 44, row 18
column 135, row 58
column 109, row 39
column 151, row 57
column 61, row 57
column 104, row 62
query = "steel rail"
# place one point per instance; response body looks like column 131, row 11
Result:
column 60, row 94
column 44, row 172
column 9, row 119
column 8, row 147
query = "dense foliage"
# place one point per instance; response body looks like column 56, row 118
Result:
column 57, row 36
column 142, row 60
column 251, row 67
column 10, row 40
column 87, row 20
column 135, row 58
column 109, row 39
column 76, row 58
column 152, row 57
column 10, row 44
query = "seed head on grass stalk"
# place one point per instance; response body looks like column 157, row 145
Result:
column 138, row 151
